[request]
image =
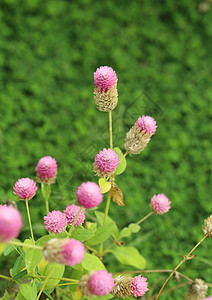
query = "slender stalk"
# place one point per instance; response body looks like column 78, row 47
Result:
column 45, row 282
column 46, row 192
column 72, row 226
column 171, row 289
column 5, row 277
column 26, row 245
column 125, row 154
column 144, row 218
column 30, row 223
column 106, row 209
column 58, row 278
column 91, row 249
column 186, row 257
column 67, row 283
column 110, row 129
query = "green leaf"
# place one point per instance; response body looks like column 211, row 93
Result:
column 81, row 234
column 100, row 218
column 20, row 275
column 125, row 232
column 20, row 296
column 48, row 295
column 6, row 296
column 104, row 185
column 58, row 271
column 17, row 265
column 32, row 258
column 123, row 164
column 109, row 296
column 28, row 242
column 8, row 250
column 129, row 256
column 133, row 227
column 43, row 240
column 102, row 234
column 91, row 226
column 28, row 291
column 92, row 262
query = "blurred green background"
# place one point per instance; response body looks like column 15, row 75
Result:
column 161, row 52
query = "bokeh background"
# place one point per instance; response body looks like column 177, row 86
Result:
column 161, row 52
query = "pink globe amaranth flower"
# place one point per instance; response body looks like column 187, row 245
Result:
column 73, row 252
column 105, row 78
column 147, row 124
column 106, row 162
column 101, row 283
column 46, row 170
column 160, row 204
column 25, row 188
column 139, row 286
column 209, row 298
column 55, row 221
column 71, row 213
column 89, row 194
column 11, row 223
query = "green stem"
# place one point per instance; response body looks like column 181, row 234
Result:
column 186, row 257
column 46, row 192
column 58, row 278
column 30, row 224
column 106, row 209
column 72, row 226
column 125, row 154
column 144, row 218
column 110, row 129
column 26, row 245
column 5, row 277
column 45, row 282
column 63, row 292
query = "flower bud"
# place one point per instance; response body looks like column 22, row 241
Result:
column 197, row 291
column 106, row 95
column 139, row 135
column 64, row 251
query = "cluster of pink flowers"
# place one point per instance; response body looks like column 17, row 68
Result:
column 106, row 162
column 139, row 286
column 146, row 124
column 105, row 78
column 160, row 204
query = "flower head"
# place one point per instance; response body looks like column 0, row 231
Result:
column 55, row 221
column 126, row 286
column 106, row 94
column 197, row 291
column 147, row 124
column 160, row 204
column 11, row 223
column 89, row 194
column 25, row 188
column 140, row 134
column 106, row 162
column 46, row 169
column 207, row 227
column 139, row 286
column 209, row 298
column 71, row 213
column 98, row 283
column 64, row 251
column 105, row 78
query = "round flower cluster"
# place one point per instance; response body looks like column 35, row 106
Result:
column 89, row 194
column 46, row 170
column 25, row 188
column 147, row 124
column 105, row 78
column 106, row 162
column 98, row 283
column 71, row 214
column 139, row 286
column 64, row 251
column 55, row 221
column 160, row 204
column 11, row 223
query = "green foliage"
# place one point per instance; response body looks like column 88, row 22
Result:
column 91, row 262
column 129, row 256
column 123, row 162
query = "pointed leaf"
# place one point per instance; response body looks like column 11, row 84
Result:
column 123, row 162
column 92, row 262
column 100, row 217
column 32, row 258
column 28, row 291
column 102, row 234
column 58, row 271
column 129, row 256
column 6, row 296
column 81, row 234
column 124, row 233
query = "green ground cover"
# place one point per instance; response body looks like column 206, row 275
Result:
column 161, row 52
